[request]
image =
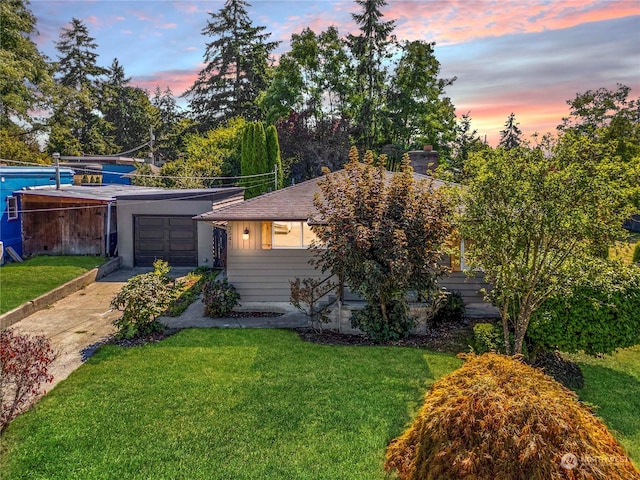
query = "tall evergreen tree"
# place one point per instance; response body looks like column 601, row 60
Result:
column 128, row 109
column 169, row 125
column 370, row 49
column 273, row 153
column 510, row 136
column 466, row 141
column 236, row 64
column 75, row 126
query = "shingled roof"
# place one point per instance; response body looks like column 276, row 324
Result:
column 291, row 203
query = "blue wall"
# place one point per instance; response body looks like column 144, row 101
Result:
column 13, row 179
column 116, row 176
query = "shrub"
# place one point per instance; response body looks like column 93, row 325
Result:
column 451, row 309
column 598, row 316
column 24, row 367
column 497, row 418
column 371, row 321
column 636, row 253
column 219, row 298
column 488, row 338
column 142, row 300
column 305, row 295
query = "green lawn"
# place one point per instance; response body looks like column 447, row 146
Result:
column 612, row 383
column 21, row 282
column 253, row 404
column 224, row 404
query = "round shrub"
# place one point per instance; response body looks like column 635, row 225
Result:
column 497, row 418
column 371, row 321
column 219, row 298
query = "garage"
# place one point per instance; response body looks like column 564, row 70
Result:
column 158, row 224
column 173, row 239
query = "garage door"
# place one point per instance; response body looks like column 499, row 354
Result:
column 173, row 239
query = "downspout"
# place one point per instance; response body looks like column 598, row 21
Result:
column 108, row 229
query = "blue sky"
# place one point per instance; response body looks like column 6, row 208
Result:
column 527, row 57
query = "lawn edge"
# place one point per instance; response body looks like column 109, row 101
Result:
column 32, row 306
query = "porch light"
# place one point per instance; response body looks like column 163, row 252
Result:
column 245, row 234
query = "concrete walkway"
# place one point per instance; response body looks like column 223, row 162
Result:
column 79, row 323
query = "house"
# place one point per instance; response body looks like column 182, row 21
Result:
column 268, row 240
column 100, row 169
column 140, row 224
column 14, row 179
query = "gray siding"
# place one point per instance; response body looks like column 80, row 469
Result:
column 263, row 275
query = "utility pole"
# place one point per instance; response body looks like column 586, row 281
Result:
column 56, row 159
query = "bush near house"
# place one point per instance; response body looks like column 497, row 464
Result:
column 219, row 298
column 497, row 418
column 144, row 298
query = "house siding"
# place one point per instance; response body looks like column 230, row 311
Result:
column 263, row 275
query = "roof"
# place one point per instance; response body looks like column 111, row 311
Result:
column 102, row 159
column 113, row 192
column 290, row 203
column 10, row 171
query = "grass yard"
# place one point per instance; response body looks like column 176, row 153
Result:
column 224, row 404
column 612, row 383
column 254, row 404
column 21, row 282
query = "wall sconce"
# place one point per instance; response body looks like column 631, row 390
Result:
column 245, row 234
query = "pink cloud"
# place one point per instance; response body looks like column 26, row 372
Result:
column 169, row 25
column 178, row 80
column 457, row 21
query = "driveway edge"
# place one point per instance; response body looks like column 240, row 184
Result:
column 12, row 316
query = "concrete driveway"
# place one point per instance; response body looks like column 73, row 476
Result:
column 79, row 323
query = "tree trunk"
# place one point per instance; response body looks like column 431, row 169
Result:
column 504, row 315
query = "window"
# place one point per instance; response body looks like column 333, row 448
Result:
column 12, row 208
column 291, row 234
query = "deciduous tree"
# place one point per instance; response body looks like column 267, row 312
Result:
column 382, row 234
column 530, row 216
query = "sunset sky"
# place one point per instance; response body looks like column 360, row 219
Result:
column 525, row 56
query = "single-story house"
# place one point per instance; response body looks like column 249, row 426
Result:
column 268, row 239
column 139, row 224
column 12, row 181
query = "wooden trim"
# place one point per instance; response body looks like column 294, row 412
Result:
column 266, row 236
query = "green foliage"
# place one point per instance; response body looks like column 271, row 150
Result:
column 636, row 253
column 599, row 315
column 273, row 153
column 532, row 215
column 255, row 162
column 235, row 71
column 219, row 298
column 394, row 324
column 510, row 136
column 487, row 338
column 142, row 300
column 450, row 309
column 496, row 417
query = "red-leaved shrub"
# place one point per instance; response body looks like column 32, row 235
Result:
column 24, row 367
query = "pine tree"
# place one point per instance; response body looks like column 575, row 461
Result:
column 235, row 72
column 510, row 136
column 370, row 49
column 75, row 126
column 168, row 125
